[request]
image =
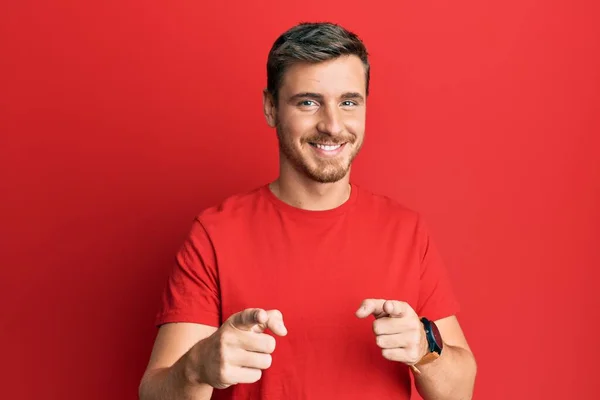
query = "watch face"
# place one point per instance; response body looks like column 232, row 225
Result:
column 436, row 335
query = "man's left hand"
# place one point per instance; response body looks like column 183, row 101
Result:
column 398, row 330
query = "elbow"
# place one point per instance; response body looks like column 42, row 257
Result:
column 473, row 368
column 143, row 391
column 471, row 376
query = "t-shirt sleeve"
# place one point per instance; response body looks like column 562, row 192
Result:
column 192, row 289
column 436, row 295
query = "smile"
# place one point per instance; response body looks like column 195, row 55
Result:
column 327, row 150
column 327, row 147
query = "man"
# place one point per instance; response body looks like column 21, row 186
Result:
column 310, row 287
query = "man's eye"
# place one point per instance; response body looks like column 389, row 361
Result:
column 307, row 103
column 348, row 103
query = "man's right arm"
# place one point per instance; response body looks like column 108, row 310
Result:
column 189, row 360
column 170, row 373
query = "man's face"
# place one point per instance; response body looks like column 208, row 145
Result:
column 320, row 117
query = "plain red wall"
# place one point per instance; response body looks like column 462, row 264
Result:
column 120, row 121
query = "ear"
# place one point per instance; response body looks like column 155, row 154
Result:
column 269, row 108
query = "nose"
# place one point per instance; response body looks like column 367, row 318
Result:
column 330, row 121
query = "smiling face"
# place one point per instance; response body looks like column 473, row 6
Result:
column 320, row 116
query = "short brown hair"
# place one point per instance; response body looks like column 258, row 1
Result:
column 312, row 42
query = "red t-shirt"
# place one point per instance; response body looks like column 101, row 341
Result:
column 316, row 267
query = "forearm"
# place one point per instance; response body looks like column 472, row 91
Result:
column 173, row 383
column 450, row 377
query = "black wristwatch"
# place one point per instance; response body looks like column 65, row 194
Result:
column 434, row 339
column 434, row 344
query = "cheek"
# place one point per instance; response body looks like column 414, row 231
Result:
column 356, row 130
column 297, row 126
column 356, row 123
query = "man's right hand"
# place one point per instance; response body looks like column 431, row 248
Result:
column 238, row 351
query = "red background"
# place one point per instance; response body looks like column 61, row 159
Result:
column 121, row 120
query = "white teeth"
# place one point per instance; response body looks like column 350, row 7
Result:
column 328, row 147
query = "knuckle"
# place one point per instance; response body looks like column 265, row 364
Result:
column 268, row 361
column 255, row 376
column 222, row 354
column 387, row 354
column 227, row 337
column 224, row 373
column 380, row 340
column 271, row 344
column 377, row 327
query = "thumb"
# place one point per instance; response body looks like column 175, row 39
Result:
column 248, row 319
column 370, row 307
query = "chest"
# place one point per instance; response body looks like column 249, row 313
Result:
column 316, row 278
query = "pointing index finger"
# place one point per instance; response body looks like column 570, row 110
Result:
column 382, row 307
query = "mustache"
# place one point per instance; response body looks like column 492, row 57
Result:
column 323, row 138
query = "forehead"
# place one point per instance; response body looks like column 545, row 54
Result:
column 332, row 77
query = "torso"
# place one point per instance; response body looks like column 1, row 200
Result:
column 316, row 268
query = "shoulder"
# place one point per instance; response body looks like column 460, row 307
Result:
column 386, row 208
column 234, row 208
column 393, row 220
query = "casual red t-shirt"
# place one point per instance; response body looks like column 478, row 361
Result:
column 316, row 267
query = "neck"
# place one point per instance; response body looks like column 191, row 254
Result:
column 300, row 191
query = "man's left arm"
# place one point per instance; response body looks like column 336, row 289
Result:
column 401, row 336
column 452, row 374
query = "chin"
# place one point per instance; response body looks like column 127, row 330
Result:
column 327, row 176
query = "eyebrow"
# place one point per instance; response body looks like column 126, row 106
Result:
column 345, row 96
